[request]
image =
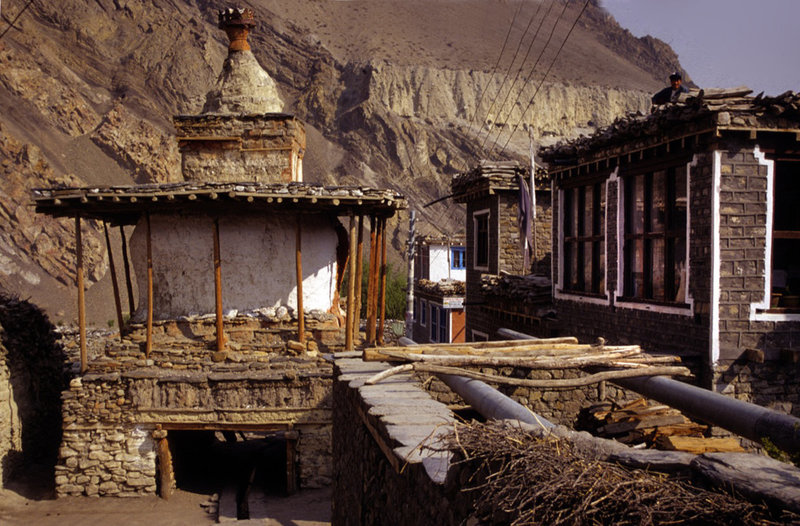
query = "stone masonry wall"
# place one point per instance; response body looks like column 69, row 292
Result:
column 383, row 474
column 10, row 425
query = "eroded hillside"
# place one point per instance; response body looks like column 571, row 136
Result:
column 388, row 89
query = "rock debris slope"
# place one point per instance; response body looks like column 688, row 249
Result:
column 388, row 89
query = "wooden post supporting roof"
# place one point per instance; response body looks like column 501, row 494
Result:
column 351, row 286
column 359, row 274
column 218, row 288
column 166, row 476
column 114, row 284
column 382, row 297
column 371, row 282
column 127, row 265
column 81, row 296
column 301, row 322
column 149, row 336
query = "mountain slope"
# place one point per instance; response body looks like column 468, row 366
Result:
column 388, row 89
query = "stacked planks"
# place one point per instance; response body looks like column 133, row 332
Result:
column 654, row 426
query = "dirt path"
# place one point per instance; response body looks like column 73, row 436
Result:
column 306, row 508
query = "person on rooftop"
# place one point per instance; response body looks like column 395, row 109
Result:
column 671, row 93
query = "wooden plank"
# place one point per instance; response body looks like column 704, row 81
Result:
column 382, row 297
column 359, row 274
column 351, row 282
column 166, row 476
column 301, row 322
column 81, row 293
column 699, row 445
column 218, row 288
column 127, row 266
column 643, row 423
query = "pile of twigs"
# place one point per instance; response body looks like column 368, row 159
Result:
column 518, row 478
column 600, row 362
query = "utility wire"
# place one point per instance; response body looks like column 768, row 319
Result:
column 497, row 65
column 11, row 24
column 522, row 116
column 522, row 64
column 511, row 65
column 533, row 69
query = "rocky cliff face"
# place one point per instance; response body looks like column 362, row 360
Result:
column 88, row 88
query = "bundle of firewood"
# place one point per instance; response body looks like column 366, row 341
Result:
column 654, row 426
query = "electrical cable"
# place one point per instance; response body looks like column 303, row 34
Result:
column 516, row 126
column 533, row 69
column 519, row 71
column 11, row 24
column 511, row 65
column 497, row 65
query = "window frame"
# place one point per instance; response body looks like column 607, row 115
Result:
column 460, row 262
column 670, row 232
column 573, row 244
column 476, row 217
column 775, row 233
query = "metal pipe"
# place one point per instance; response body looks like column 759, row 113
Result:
column 743, row 418
column 487, row 400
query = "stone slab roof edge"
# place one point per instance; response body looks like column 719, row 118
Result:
column 703, row 111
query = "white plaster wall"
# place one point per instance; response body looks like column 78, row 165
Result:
column 258, row 263
column 439, row 265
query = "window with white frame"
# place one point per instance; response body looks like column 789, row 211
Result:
column 584, row 260
column 786, row 236
column 481, row 239
column 654, row 240
column 458, row 258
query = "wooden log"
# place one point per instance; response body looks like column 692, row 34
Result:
column 127, row 266
column 522, row 349
column 371, row 281
column 359, row 274
column 301, row 322
column 351, row 287
column 382, row 298
column 114, row 284
column 291, row 463
column 149, row 242
column 166, row 478
column 522, row 382
column 643, row 423
column 510, row 361
column 81, row 293
column 218, row 288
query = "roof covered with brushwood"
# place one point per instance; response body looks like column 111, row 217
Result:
column 490, row 176
column 124, row 204
column 714, row 111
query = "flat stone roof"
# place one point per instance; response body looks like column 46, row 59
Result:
column 124, row 204
column 490, row 176
column 710, row 111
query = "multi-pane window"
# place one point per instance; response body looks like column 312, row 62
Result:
column 423, row 312
column 481, row 225
column 458, row 258
column 440, row 329
column 584, row 261
column 655, row 235
column 786, row 233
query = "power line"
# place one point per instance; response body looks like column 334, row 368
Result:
column 522, row 116
column 522, row 64
column 533, row 69
column 497, row 64
column 11, row 24
column 511, row 65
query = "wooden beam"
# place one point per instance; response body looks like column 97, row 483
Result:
column 218, row 288
column 291, row 460
column 114, row 284
column 359, row 274
column 371, row 279
column 149, row 335
column 126, row 264
column 351, row 286
column 301, row 322
column 81, row 293
column 166, row 476
column 382, row 297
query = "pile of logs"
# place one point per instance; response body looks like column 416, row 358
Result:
column 653, row 426
column 597, row 363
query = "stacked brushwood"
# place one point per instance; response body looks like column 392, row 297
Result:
column 641, row 424
column 517, row 477
column 597, row 363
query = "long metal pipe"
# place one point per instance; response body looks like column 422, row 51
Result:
column 743, row 418
column 487, row 400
